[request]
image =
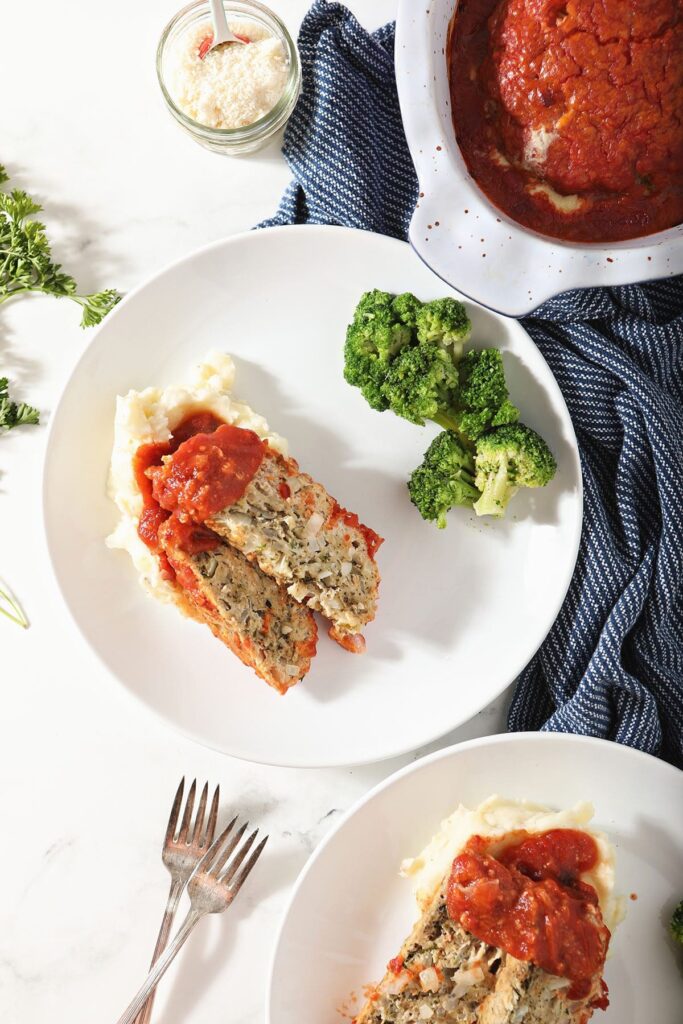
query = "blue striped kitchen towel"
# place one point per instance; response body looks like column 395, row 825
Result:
column 612, row 664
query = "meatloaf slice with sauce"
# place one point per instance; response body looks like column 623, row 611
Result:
column 444, row 974
column 299, row 535
column 247, row 610
column 280, row 518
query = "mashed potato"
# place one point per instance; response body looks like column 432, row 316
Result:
column 495, row 817
column 149, row 417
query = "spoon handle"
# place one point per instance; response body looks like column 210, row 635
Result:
column 221, row 32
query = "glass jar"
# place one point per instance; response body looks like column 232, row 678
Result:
column 247, row 138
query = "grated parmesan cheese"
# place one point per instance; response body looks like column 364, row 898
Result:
column 235, row 84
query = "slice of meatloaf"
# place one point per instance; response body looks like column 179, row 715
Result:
column 444, row 975
column 299, row 535
column 265, row 507
column 247, row 610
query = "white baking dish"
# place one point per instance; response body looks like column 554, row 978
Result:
column 462, row 236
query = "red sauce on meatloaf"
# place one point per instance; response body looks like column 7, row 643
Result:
column 530, row 901
column 208, row 472
column 576, row 98
column 153, row 515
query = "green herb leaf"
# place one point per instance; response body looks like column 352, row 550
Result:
column 96, row 306
column 13, row 414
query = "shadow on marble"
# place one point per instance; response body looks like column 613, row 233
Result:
column 205, row 962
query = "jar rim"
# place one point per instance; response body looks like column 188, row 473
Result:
column 269, row 121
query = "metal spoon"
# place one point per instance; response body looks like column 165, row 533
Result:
column 221, row 31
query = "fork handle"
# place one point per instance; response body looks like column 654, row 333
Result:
column 159, row 969
column 174, row 894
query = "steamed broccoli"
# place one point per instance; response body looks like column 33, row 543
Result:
column 445, row 479
column 405, row 308
column 379, row 326
column 444, row 322
column 402, row 354
column 482, row 400
column 372, row 341
column 676, row 924
column 420, row 382
column 510, row 457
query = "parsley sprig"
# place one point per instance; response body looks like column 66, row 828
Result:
column 26, row 263
column 14, row 414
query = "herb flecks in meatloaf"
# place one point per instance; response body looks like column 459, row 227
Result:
column 244, row 608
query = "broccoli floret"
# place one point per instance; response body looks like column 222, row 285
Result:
column 405, row 308
column 420, row 382
column 377, row 328
column 364, row 370
column 508, row 458
column 444, row 322
column 445, row 479
column 507, row 413
column 482, row 398
column 394, row 367
column 372, row 340
column 676, row 924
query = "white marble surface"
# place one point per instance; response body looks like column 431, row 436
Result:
column 87, row 774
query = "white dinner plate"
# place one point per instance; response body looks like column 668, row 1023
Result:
column 461, row 610
column 350, row 911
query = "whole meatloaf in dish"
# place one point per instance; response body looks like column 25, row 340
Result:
column 569, row 113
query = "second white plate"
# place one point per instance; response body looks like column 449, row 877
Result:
column 350, row 911
column 461, row 610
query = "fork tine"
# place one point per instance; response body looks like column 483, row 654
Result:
column 214, row 849
column 173, row 818
column 187, row 813
column 236, row 885
column 221, row 862
column 232, row 867
column 207, row 838
column 201, row 810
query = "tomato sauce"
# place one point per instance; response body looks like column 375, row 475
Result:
column 570, row 98
column 153, row 515
column 530, row 901
column 208, row 472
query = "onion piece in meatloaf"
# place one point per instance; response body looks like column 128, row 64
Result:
column 284, row 521
column 247, row 610
column 444, row 974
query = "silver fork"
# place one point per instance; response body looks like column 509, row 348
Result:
column 183, row 848
column 216, row 881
